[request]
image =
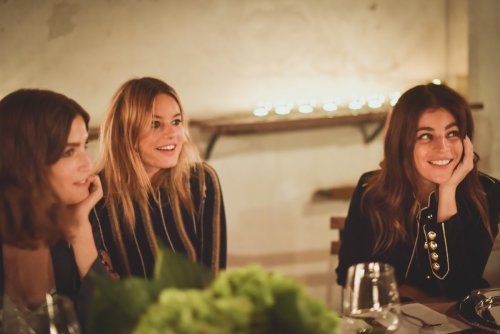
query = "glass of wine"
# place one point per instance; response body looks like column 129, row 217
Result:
column 371, row 299
column 56, row 316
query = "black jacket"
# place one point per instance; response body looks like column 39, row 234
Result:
column 203, row 235
column 444, row 259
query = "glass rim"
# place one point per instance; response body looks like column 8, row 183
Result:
column 379, row 267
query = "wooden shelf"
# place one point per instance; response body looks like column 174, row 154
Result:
column 245, row 124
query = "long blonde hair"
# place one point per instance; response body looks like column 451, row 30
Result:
column 126, row 181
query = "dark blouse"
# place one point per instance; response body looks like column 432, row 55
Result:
column 205, row 232
column 67, row 278
column 444, row 259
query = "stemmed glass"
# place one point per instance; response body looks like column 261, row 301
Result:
column 55, row 316
column 371, row 299
column 60, row 316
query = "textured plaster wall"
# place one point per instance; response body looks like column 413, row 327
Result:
column 484, row 85
column 223, row 56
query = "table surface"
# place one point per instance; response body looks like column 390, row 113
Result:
column 449, row 309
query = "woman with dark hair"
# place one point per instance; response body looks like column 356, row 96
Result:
column 155, row 185
column 428, row 211
column 47, row 191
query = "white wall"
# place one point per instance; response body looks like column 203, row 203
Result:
column 484, row 83
column 223, row 56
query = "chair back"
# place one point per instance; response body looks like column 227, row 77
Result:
column 336, row 224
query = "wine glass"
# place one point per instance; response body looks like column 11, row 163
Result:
column 371, row 299
column 57, row 316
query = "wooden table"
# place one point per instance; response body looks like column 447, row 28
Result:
column 449, row 309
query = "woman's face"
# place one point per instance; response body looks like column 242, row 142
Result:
column 69, row 176
column 438, row 148
column 161, row 144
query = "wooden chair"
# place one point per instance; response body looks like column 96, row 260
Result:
column 336, row 224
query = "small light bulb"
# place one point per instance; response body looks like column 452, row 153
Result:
column 375, row 101
column 282, row 108
column 330, row 106
column 393, row 98
column 306, row 109
column 436, row 82
column 260, row 112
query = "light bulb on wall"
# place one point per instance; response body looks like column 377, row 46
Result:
column 356, row 103
column 262, row 109
column 283, row 108
column 393, row 98
column 260, row 112
column 306, row 107
column 375, row 100
column 331, row 104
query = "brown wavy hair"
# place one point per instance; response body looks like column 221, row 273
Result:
column 34, row 129
column 125, row 179
column 389, row 198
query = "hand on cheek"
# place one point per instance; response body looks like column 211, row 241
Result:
column 464, row 166
column 79, row 225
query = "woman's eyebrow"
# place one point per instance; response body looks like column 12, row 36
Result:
column 428, row 128
column 425, row 128
column 76, row 144
column 451, row 125
column 160, row 117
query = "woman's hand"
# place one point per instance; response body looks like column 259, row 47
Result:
column 79, row 233
column 463, row 168
column 82, row 209
column 79, row 213
column 447, row 205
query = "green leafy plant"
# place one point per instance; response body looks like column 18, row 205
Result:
column 183, row 298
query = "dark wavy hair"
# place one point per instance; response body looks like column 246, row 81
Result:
column 389, row 198
column 34, row 129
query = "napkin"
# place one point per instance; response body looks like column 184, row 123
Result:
column 448, row 325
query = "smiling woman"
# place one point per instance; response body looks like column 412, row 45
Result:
column 156, row 187
column 46, row 193
column 160, row 147
column 70, row 174
column 428, row 212
column 438, row 149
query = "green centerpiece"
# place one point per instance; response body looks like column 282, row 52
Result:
column 183, row 298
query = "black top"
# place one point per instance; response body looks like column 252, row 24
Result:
column 444, row 259
column 203, row 234
column 67, row 278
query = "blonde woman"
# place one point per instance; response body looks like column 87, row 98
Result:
column 155, row 185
